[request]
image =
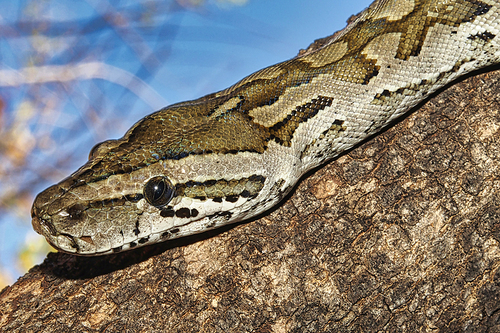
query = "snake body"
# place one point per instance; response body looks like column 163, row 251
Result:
column 231, row 155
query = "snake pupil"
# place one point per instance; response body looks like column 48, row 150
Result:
column 158, row 191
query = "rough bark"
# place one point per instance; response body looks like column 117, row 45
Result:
column 399, row 235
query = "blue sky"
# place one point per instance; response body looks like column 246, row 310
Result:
column 174, row 55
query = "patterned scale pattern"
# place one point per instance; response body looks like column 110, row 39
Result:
column 233, row 154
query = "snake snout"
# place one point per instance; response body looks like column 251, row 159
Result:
column 35, row 222
column 43, row 227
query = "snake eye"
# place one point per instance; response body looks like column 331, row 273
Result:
column 158, row 191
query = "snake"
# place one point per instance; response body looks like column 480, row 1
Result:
column 234, row 154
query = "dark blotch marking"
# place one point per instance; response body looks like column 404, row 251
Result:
column 244, row 194
column 482, row 8
column 485, row 36
column 194, row 212
column 385, row 93
column 167, row 212
column 211, row 182
column 167, row 234
column 372, row 73
column 183, row 213
column 143, row 240
column 136, row 230
column 257, row 178
column 117, row 249
column 133, row 244
column 134, row 197
column 232, row 198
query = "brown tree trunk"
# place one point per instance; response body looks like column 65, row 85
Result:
column 399, row 235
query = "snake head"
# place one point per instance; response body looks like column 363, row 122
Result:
column 160, row 181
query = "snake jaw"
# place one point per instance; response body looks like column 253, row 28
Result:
column 46, row 228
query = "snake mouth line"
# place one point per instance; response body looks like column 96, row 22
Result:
column 146, row 240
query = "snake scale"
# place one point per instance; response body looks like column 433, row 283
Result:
column 233, row 154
